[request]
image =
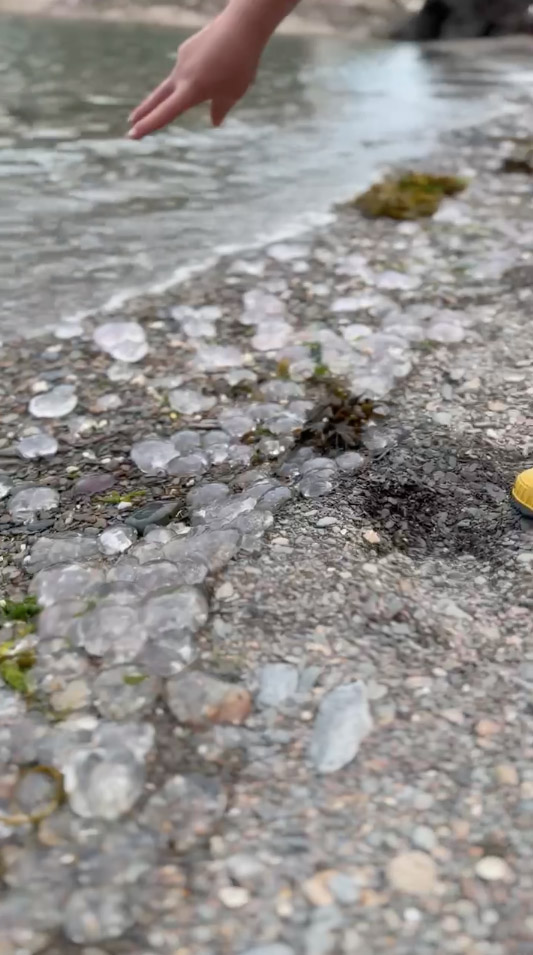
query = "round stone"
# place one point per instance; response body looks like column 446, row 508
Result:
column 152, row 456
column 27, row 504
column 37, row 446
column 124, row 692
column 65, row 582
column 493, row 869
column 414, row 873
column 113, row 629
column 116, row 540
column 124, row 341
column 103, row 783
column 57, row 403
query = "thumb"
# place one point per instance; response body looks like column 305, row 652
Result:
column 220, row 109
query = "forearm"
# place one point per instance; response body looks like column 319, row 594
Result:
column 261, row 16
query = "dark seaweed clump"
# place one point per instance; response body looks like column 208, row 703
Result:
column 337, row 422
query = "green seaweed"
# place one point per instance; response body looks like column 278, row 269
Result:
column 19, row 610
column 14, row 666
column 321, row 371
column 133, row 679
column 283, row 369
column 128, row 497
column 412, row 195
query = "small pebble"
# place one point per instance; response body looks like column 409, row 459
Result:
column 234, row 896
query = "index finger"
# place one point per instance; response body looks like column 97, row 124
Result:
column 184, row 98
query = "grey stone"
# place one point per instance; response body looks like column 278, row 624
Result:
column 27, row 504
column 37, row 446
column 277, row 683
column 342, row 723
column 116, row 540
column 124, row 341
column 57, row 403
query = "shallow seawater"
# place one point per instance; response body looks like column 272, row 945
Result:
column 87, row 214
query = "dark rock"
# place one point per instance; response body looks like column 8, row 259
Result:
column 449, row 19
column 91, row 484
column 156, row 512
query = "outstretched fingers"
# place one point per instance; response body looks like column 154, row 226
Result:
column 183, row 98
column 157, row 96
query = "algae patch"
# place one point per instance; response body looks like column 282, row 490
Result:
column 413, row 195
column 12, row 611
column 15, row 663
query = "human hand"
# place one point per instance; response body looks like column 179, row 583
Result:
column 217, row 65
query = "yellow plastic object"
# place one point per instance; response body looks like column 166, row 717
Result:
column 522, row 492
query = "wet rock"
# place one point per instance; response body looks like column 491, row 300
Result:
column 57, row 403
column 342, row 723
column 37, row 446
column 123, row 692
column 349, row 462
column 156, row 512
column 62, row 549
column 186, row 442
column 26, row 505
column 183, row 610
column 105, row 403
column 6, row 485
column 188, row 466
column 124, row 341
column 164, row 574
column 201, row 497
column 116, row 540
column 211, row 358
column 446, row 328
column 186, row 810
column 223, row 514
column 213, row 548
column 171, row 618
column 197, row 699
column 113, row 629
column 96, row 483
column 189, row 402
column 65, row 582
column 104, row 779
column 153, row 455
column 277, row 683
column 316, row 485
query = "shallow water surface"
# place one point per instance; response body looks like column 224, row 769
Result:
column 87, row 214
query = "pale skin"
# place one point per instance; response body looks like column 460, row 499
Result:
column 215, row 66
